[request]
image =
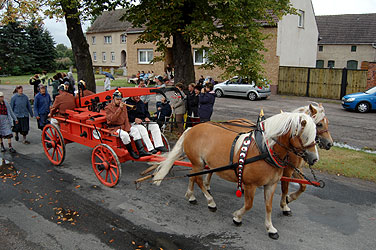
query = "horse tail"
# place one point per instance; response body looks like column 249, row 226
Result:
column 165, row 166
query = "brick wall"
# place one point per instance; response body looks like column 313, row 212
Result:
column 371, row 76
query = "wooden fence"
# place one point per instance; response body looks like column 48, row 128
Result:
column 323, row 83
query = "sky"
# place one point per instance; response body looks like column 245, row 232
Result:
column 321, row 7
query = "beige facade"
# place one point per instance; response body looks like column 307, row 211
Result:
column 105, row 51
column 340, row 54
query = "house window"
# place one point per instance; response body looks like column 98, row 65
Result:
column 352, row 64
column 112, row 56
column 330, row 64
column 123, row 38
column 301, row 19
column 200, row 56
column 93, row 40
column 95, row 56
column 353, row 48
column 145, row 56
column 321, row 48
column 107, row 39
column 320, row 64
column 103, row 56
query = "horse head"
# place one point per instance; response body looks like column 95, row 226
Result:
column 323, row 137
column 293, row 132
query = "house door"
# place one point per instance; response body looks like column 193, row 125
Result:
column 123, row 59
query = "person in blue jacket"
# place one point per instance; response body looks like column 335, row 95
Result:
column 42, row 103
column 21, row 107
column 206, row 103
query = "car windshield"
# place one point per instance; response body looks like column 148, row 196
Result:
column 371, row 91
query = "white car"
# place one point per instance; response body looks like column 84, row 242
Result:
column 237, row 86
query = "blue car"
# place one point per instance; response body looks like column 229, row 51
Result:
column 361, row 102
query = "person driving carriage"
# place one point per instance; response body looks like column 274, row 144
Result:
column 137, row 117
column 62, row 102
column 117, row 120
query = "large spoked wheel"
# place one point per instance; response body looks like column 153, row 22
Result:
column 53, row 144
column 106, row 165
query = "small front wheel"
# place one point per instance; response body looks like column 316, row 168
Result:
column 53, row 144
column 106, row 165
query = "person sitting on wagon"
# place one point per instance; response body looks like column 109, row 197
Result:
column 84, row 90
column 163, row 113
column 62, row 102
column 137, row 117
column 117, row 120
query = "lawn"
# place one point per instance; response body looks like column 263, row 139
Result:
column 347, row 162
column 24, row 79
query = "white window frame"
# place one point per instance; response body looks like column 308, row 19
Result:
column 107, row 39
column 104, row 56
column 147, row 51
column 301, row 18
column 112, row 56
column 94, row 56
column 121, row 38
column 204, row 57
column 93, row 40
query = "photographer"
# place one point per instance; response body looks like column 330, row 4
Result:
column 206, row 103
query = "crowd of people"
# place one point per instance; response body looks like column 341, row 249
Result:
column 187, row 106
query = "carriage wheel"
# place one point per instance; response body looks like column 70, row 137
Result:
column 106, row 165
column 165, row 142
column 53, row 144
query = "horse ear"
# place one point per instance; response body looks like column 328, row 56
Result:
column 303, row 123
column 312, row 110
column 281, row 111
column 320, row 105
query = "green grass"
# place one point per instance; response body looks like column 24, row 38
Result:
column 347, row 162
column 24, row 79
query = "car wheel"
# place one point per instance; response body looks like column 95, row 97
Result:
column 362, row 107
column 252, row 96
column 219, row 93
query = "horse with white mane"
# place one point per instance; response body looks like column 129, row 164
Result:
column 208, row 145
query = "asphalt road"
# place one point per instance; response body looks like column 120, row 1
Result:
column 340, row 216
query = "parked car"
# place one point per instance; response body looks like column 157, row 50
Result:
column 238, row 86
column 361, row 102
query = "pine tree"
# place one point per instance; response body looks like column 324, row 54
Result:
column 12, row 49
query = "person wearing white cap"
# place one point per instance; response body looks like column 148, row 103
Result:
column 7, row 117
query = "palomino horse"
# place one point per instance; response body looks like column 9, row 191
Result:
column 210, row 145
column 324, row 139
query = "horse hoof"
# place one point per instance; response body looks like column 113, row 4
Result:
column 238, row 224
column 212, row 209
column 193, row 202
column 287, row 213
column 274, row 236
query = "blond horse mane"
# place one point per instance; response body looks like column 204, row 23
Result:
column 316, row 117
column 281, row 124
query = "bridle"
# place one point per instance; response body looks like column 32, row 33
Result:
column 298, row 151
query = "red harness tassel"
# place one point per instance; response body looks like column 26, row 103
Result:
column 243, row 153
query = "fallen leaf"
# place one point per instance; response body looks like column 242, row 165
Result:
column 78, row 186
column 34, row 216
column 134, row 243
column 57, row 191
column 111, row 240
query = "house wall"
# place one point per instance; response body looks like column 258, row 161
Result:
column 342, row 53
column 116, row 46
column 297, row 46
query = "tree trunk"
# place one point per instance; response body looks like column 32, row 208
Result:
column 183, row 60
column 80, row 46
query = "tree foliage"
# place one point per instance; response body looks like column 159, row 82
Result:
column 232, row 29
column 26, row 49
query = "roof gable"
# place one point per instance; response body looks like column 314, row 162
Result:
column 109, row 21
column 347, row 29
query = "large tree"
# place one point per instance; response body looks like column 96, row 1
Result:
column 230, row 28
column 72, row 11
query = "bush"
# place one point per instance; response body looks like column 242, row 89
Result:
column 63, row 63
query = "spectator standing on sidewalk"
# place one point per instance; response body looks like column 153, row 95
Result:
column 7, row 118
column 42, row 103
column 21, row 107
